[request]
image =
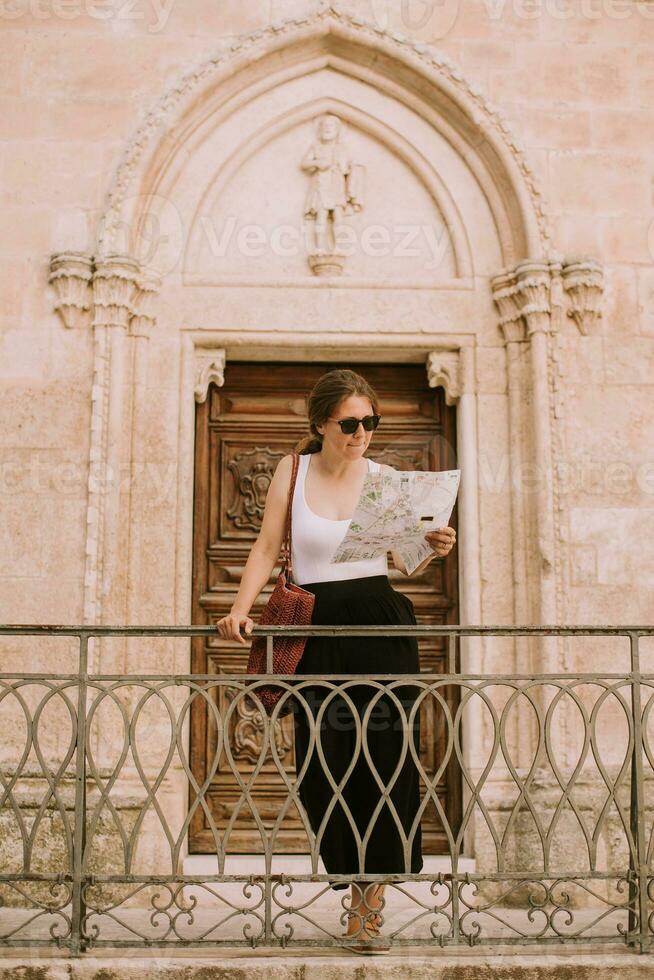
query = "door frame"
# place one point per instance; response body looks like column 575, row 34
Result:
column 449, row 361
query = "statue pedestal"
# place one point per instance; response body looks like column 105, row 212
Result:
column 326, row 263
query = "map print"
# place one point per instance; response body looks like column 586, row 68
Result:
column 395, row 511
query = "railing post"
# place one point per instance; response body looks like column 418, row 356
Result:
column 637, row 810
column 78, row 945
column 269, row 654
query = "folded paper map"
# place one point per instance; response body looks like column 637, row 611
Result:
column 395, row 511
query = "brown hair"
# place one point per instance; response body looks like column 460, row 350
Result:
column 329, row 390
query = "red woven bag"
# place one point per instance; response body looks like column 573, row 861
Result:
column 288, row 605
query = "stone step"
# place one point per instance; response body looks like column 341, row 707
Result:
column 337, row 965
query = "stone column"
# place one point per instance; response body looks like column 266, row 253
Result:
column 202, row 364
column 530, row 300
column 114, row 291
column 522, row 296
column 140, row 329
column 454, row 370
column 111, row 294
column 115, row 296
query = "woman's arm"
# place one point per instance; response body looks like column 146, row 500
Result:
column 263, row 554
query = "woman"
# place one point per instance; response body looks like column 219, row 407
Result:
column 343, row 413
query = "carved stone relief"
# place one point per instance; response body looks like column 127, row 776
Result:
column 335, row 189
column 583, row 282
column 210, row 367
column 444, row 368
column 527, row 295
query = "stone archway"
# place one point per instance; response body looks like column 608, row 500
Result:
column 410, row 74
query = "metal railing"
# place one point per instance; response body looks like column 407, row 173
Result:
column 557, row 775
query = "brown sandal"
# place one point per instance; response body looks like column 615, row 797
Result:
column 369, row 942
column 370, row 924
column 375, row 917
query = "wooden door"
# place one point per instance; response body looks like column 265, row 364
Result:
column 242, row 431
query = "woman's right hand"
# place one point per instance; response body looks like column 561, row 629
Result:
column 229, row 626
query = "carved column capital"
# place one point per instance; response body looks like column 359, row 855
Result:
column 148, row 285
column 444, row 368
column 507, row 300
column 522, row 296
column 583, row 282
column 210, row 366
column 115, row 286
column 70, row 275
column 533, row 289
column 531, row 296
column 111, row 290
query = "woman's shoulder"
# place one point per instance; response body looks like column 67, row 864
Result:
column 280, row 484
column 383, row 467
column 285, row 465
column 282, row 475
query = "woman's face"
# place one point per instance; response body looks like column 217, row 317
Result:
column 356, row 407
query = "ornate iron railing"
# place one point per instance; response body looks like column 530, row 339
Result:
column 97, row 794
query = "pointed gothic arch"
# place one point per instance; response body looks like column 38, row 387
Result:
column 409, row 73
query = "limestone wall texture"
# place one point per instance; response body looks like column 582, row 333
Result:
column 520, row 133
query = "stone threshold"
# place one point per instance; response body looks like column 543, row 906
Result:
column 407, row 964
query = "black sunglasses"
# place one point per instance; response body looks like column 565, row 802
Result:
column 348, row 426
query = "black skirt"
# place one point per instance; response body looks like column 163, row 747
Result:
column 361, row 601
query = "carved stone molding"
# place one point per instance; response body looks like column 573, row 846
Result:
column 210, row 366
column 327, row 263
column 114, row 290
column 522, row 296
column 583, row 282
column 530, row 297
column 444, row 368
column 505, row 296
column 115, row 286
column 533, row 293
column 70, row 275
column 142, row 322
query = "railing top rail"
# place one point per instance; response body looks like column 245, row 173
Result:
column 32, row 629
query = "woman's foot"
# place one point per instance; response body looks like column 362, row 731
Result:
column 360, row 928
column 372, row 899
column 363, row 921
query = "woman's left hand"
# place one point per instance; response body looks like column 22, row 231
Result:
column 442, row 540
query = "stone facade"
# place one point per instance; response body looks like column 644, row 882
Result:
column 498, row 170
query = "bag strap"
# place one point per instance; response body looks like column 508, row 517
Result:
column 286, row 543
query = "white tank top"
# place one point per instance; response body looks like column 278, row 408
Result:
column 314, row 540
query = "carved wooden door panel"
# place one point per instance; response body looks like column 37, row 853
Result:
column 242, row 431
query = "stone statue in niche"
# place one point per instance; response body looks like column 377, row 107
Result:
column 336, row 189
